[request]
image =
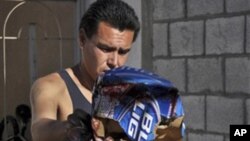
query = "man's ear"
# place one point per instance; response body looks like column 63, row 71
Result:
column 82, row 37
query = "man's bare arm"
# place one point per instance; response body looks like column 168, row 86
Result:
column 45, row 126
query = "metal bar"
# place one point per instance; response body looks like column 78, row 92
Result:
column 9, row 37
column 4, row 64
column 32, row 53
column 59, row 32
column 45, row 38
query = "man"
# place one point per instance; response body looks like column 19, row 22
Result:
column 107, row 31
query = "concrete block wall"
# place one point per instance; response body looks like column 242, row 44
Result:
column 203, row 47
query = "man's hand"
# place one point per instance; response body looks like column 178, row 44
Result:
column 79, row 126
column 99, row 133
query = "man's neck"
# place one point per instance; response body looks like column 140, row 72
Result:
column 83, row 76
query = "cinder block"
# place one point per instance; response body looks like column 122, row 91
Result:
column 225, row 35
column 160, row 42
column 205, row 137
column 248, row 35
column 227, row 138
column 204, row 74
column 184, row 138
column 173, row 70
column 186, row 38
column 167, row 9
column 194, row 107
column 238, row 75
column 237, row 5
column 202, row 7
column 222, row 111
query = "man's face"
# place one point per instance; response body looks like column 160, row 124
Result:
column 107, row 49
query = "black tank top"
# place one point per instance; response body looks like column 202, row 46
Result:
column 78, row 100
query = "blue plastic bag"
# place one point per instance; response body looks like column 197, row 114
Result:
column 138, row 100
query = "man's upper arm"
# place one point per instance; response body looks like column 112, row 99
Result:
column 43, row 100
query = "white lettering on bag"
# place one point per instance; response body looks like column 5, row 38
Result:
column 147, row 121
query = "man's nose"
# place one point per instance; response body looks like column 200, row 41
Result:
column 113, row 60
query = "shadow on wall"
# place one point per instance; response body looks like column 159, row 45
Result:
column 15, row 127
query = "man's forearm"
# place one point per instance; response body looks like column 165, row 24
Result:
column 49, row 130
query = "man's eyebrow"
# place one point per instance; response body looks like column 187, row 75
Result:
column 110, row 48
column 103, row 46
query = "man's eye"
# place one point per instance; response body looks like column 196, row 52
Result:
column 122, row 52
column 104, row 49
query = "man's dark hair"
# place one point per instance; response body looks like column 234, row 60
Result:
column 114, row 12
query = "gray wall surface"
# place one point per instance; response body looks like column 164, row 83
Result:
column 203, row 47
column 39, row 46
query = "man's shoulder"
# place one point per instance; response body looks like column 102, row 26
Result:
column 51, row 84
column 52, row 79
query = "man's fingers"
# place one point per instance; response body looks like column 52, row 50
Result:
column 95, row 123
